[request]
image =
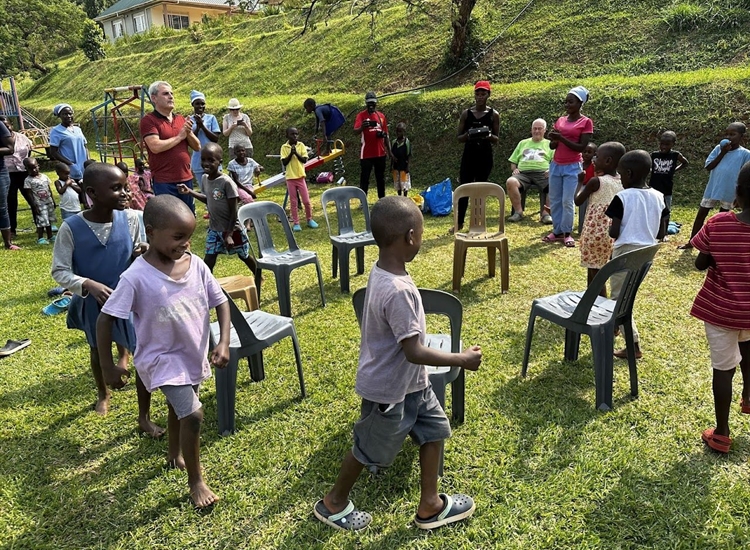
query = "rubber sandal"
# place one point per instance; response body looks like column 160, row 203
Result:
column 551, row 238
column 569, row 242
column 57, row 291
column 719, row 443
column 12, row 346
column 347, row 519
column 546, row 219
column 457, row 507
column 744, row 407
column 58, row 306
column 14, row 247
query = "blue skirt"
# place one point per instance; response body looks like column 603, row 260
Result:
column 82, row 315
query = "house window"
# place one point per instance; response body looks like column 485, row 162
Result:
column 118, row 28
column 178, row 21
column 139, row 22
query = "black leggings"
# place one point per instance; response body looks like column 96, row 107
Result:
column 16, row 185
column 366, row 166
column 473, row 168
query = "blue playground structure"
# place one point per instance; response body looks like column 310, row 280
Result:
column 116, row 121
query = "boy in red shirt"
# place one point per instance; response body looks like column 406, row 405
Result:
column 723, row 304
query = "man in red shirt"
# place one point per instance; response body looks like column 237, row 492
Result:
column 167, row 136
column 372, row 125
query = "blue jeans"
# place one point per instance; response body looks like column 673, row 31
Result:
column 4, row 186
column 171, row 189
column 563, row 180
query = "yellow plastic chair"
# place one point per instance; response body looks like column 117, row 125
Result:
column 478, row 235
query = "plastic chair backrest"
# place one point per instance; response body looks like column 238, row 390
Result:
column 258, row 212
column 477, row 193
column 341, row 197
column 636, row 264
column 434, row 302
column 241, row 326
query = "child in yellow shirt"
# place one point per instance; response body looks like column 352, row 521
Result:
column 294, row 157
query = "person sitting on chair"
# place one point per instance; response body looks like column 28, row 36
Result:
column 529, row 164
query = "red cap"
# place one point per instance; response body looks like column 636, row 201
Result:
column 482, row 85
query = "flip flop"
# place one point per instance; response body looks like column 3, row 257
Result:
column 569, row 242
column 719, row 443
column 744, row 407
column 57, row 291
column 551, row 238
column 14, row 247
column 12, row 346
column 347, row 519
column 58, row 306
column 457, row 507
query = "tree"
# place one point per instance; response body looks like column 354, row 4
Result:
column 34, row 33
column 315, row 10
column 93, row 40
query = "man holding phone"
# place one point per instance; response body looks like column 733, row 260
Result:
column 372, row 126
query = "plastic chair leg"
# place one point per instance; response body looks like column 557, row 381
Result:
column 320, row 282
column 458, row 268
column 602, row 344
column 491, row 259
column 360, row 253
column 298, row 358
column 284, row 292
column 504, row 267
column 527, row 348
column 458, row 398
column 226, row 392
column 257, row 369
column 572, row 343
column 344, row 269
column 627, row 326
column 258, row 281
column 334, row 260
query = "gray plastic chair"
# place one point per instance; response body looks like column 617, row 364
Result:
column 591, row 314
column 440, row 303
column 252, row 332
column 280, row 263
column 347, row 238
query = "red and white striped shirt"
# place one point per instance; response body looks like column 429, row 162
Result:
column 724, row 299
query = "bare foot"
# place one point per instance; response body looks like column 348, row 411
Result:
column 177, row 463
column 102, row 406
column 202, row 495
column 150, row 429
column 686, row 246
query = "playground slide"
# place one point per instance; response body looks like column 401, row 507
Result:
column 279, row 179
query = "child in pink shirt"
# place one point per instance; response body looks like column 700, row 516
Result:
column 170, row 293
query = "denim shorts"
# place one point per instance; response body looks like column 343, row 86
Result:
column 183, row 399
column 381, row 429
column 215, row 243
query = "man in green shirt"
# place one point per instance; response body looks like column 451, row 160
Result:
column 529, row 165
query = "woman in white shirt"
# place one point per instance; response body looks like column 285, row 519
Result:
column 236, row 125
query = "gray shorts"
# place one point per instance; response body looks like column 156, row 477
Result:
column 533, row 178
column 379, row 434
column 183, row 399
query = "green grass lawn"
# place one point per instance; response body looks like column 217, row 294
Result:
column 546, row 468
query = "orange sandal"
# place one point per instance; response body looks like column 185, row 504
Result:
column 719, row 443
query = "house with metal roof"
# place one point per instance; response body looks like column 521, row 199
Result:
column 127, row 17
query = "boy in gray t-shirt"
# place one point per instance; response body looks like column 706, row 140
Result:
column 225, row 233
column 397, row 398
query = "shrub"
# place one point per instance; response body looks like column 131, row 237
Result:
column 93, row 41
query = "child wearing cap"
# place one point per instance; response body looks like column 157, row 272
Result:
column 372, row 126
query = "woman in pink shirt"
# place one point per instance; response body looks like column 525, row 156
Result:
column 568, row 137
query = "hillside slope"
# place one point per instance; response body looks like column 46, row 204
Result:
column 644, row 73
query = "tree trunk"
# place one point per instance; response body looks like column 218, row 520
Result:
column 460, row 22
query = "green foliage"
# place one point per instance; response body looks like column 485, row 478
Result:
column 717, row 14
column 95, row 7
column 34, row 33
column 93, row 41
column 196, row 33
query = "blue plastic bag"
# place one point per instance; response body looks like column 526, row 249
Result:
column 438, row 198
